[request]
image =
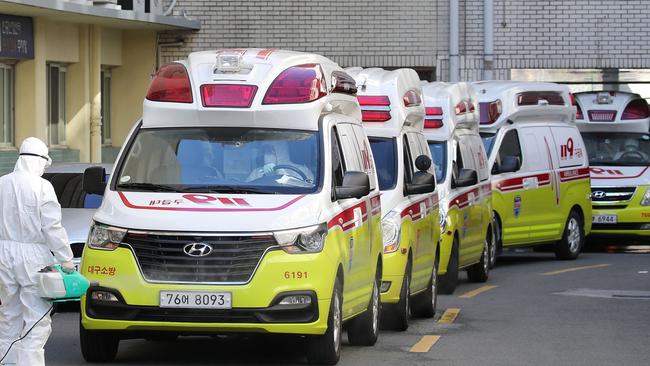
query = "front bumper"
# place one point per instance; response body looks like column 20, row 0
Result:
column 632, row 220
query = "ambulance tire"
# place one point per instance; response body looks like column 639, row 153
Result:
column 424, row 304
column 364, row 329
column 448, row 281
column 494, row 244
column 396, row 316
column 98, row 346
column 480, row 271
column 573, row 238
column 326, row 349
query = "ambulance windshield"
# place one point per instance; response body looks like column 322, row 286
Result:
column 488, row 142
column 439, row 156
column 384, row 153
column 222, row 159
column 617, row 149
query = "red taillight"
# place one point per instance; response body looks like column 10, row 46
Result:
column 228, row 95
column 171, row 84
column 412, row 98
column 374, row 108
column 461, row 108
column 343, row 83
column 297, row 84
column 433, row 118
column 636, row 109
column 574, row 102
column 489, row 112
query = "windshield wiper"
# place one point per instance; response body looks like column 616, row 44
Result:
column 225, row 189
column 148, row 187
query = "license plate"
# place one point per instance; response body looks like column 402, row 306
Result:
column 195, row 300
column 604, row 219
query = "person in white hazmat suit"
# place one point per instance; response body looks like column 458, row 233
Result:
column 30, row 232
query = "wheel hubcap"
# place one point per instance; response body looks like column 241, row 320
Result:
column 574, row 235
column 337, row 323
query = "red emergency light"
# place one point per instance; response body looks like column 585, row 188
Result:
column 574, row 102
column 636, row 109
column 534, row 97
column 297, row 84
column 228, row 95
column 433, row 117
column 374, row 108
column 171, row 84
column 489, row 112
column 412, row 98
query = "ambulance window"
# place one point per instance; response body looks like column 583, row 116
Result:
column 510, row 147
column 408, row 162
column 488, row 142
column 537, row 156
column 385, row 155
column 366, row 155
column 439, row 158
column 338, row 165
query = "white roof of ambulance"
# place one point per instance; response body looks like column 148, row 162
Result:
column 609, row 102
column 260, row 67
column 447, row 96
column 394, row 84
column 507, row 92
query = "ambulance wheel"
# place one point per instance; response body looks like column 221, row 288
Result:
column 326, row 349
column 448, row 281
column 569, row 247
column 480, row 271
column 97, row 346
column 493, row 246
column 424, row 305
column 396, row 316
column 364, row 329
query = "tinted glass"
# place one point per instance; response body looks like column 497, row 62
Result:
column 488, row 142
column 439, row 157
column 618, row 149
column 385, row 157
column 222, row 159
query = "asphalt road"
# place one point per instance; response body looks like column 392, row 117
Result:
column 593, row 311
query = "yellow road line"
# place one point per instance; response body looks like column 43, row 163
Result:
column 574, row 269
column 449, row 316
column 425, row 344
column 479, row 290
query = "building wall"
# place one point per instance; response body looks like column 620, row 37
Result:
column 527, row 34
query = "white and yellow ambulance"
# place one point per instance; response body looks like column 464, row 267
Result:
column 615, row 127
column 245, row 200
column 540, row 173
column 392, row 113
column 451, row 129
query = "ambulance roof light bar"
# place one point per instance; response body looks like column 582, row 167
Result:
column 171, row 83
column 297, row 84
column 228, row 95
column 433, row 117
column 374, row 108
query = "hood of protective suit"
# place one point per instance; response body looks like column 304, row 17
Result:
column 33, row 158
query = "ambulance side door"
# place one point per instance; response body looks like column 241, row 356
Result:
column 481, row 212
column 474, row 237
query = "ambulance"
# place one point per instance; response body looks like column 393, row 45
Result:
column 451, row 130
column 540, row 172
column 615, row 126
column 392, row 113
column 246, row 200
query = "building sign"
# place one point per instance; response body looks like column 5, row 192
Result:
column 16, row 37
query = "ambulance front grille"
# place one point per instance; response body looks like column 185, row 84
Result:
column 612, row 194
column 232, row 260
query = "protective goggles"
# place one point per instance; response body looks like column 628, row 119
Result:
column 47, row 158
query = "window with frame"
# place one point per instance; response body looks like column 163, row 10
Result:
column 6, row 105
column 510, row 147
column 106, row 77
column 56, row 97
column 408, row 162
column 338, row 165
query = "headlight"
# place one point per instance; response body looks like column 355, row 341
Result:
column 443, row 219
column 391, row 226
column 105, row 237
column 305, row 240
column 646, row 198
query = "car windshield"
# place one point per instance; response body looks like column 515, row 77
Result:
column 488, row 142
column 617, row 149
column 384, row 153
column 439, row 156
column 69, row 190
column 222, row 159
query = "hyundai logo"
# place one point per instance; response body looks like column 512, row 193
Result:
column 599, row 194
column 197, row 249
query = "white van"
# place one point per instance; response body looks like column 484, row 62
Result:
column 540, row 172
column 451, row 130
column 392, row 113
column 615, row 126
column 245, row 200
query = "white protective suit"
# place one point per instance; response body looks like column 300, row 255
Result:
column 30, row 231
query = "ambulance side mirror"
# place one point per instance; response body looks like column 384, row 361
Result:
column 355, row 185
column 466, row 178
column 422, row 182
column 94, row 180
column 509, row 164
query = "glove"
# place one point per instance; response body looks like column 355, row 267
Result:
column 68, row 267
column 268, row 168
